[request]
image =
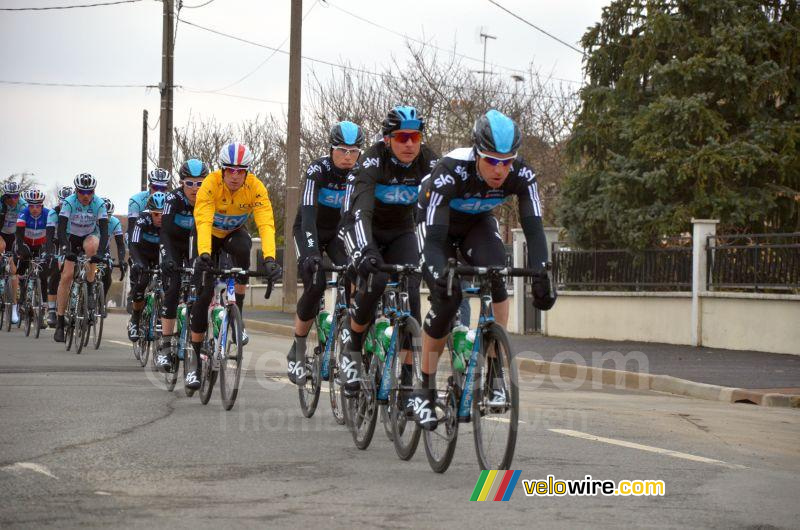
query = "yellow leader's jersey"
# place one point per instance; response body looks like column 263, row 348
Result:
column 219, row 212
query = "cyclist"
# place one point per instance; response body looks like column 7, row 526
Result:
column 114, row 229
column 378, row 224
column 144, row 252
column 315, row 231
column 31, row 236
column 10, row 207
column 225, row 201
column 82, row 227
column 178, row 221
column 52, row 243
column 456, row 202
column 157, row 180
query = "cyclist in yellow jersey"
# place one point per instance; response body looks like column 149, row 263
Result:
column 227, row 198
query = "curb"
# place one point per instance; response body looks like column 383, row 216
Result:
column 618, row 378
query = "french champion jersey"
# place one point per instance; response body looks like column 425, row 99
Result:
column 82, row 220
column 454, row 193
column 35, row 227
column 11, row 214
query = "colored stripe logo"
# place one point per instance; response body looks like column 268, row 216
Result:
column 495, row 485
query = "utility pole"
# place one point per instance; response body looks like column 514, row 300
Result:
column 167, row 56
column 485, row 37
column 144, row 150
column 292, row 159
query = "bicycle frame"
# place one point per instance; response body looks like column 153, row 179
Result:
column 396, row 313
column 339, row 306
column 485, row 320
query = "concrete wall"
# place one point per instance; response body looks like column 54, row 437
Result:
column 647, row 317
column 744, row 321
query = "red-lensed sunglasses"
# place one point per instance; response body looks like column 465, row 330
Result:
column 506, row 161
column 236, row 170
column 403, row 137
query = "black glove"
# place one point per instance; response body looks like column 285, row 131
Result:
column 368, row 262
column 168, row 267
column 311, row 264
column 136, row 270
column 97, row 259
column 24, row 251
column 122, row 268
column 272, row 269
column 203, row 263
column 544, row 292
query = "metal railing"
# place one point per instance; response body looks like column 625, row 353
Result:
column 667, row 268
column 754, row 262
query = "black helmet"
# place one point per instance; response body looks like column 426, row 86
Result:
column 496, row 132
column 193, row 168
column 402, row 117
column 346, row 133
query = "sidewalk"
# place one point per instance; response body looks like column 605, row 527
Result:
column 751, row 370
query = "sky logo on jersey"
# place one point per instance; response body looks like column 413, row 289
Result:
column 331, row 198
column 475, row 205
column 184, row 221
column 495, row 485
column 229, row 222
column 396, row 194
column 150, row 238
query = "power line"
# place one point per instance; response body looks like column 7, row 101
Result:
column 74, row 85
column 420, row 41
column 534, row 26
column 77, row 6
column 320, row 61
column 181, row 4
column 270, row 56
column 215, row 93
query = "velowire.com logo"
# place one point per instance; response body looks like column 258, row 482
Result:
column 495, row 485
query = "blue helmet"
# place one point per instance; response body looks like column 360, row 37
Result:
column 402, row 117
column 346, row 133
column 496, row 132
column 193, row 168
column 156, row 201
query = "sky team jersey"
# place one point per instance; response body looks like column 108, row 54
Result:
column 177, row 205
column 35, row 227
column 82, row 220
column 138, row 203
column 218, row 211
column 324, row 191
column 454, row 193
column 145, row 232
column 10, row 215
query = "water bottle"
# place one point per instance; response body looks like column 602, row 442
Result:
column 216, row 319
column 181, row 317
column 460, row 350
column 231, row 291
column 386, row 337
column 324, row 320
column 376, row 342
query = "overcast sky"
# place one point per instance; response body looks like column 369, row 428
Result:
column 56, row 132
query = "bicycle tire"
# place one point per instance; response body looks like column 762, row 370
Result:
column 440, row 444
column 142, row 343
column 309, row 392
column 8, row 300
column 69, row 326
column 154, row 335
column 405, row 432
column 38, row 307
column 97, row 328
column 483, row 415
column 208, row 376
column 188, row 391
column 335, row 394
column 82, row 319
column 230, row 370
column 24, row 312
column 364, row 413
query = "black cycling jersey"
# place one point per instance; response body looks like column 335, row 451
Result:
column 381, row 193
column 177, row 223
column 145, row 239
column 320, row 208
column 454, row 197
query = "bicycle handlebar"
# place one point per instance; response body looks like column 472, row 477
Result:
column 452, row 268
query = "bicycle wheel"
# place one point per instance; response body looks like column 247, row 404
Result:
column 69, row 325
column 208, row 375
column 38, row 307
column 309, row 392
column 25, row 313
column 363, row 413
column 405, row 432
column 495, row 424
column 81, row 320
column 183, row 347
column 8, row 301
column 154, row 336
column 230, row 367
column 97, row 326
column 440, row 444
column 143, row 344
column 334, row 384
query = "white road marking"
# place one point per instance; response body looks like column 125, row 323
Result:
column 119, row 342
column 101, row 493
column 501, row 420
column 649, row 448
column 30, row 466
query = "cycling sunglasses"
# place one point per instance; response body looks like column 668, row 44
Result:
column 158, row 187
column 12, row 195
column 236, row 170
column 403, row 137
column 506, row 161
column 345, row 151
column 192, row 183
column 85, row 192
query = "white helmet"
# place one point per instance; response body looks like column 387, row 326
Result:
column 235, row 155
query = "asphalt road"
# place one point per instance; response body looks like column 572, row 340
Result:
column 90, row 439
